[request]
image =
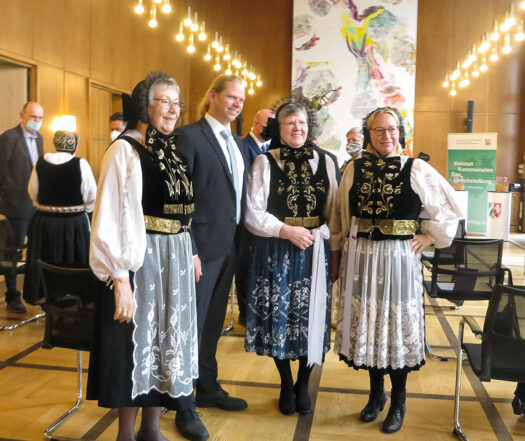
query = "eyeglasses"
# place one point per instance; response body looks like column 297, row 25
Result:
column 166, row 103
column 380, row 131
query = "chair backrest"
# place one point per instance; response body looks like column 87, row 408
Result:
column 504, row 335
column 472, row 266
column 71, row 295
column 7, row 250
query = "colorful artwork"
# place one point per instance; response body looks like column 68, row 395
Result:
column 351, row 56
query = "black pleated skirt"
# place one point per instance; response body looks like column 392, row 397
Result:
column 56, row 239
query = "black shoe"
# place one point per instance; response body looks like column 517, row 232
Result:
column 518, row 406
column 16, row 306
column 287, row 401
column 190, row 425
column 376, row 403
column 396, row 413
column 221, row 400
column 302, row 398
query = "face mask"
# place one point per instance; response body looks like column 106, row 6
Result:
column 33, row 126
column 114, row 135
column 353, row 147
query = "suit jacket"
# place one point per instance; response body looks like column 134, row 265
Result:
column 252, row 149
column 15, row 171
column 214, row 226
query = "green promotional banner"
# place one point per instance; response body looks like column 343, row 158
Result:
column 472, row 164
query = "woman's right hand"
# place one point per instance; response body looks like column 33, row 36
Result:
column 299, row 236
column 124, row 300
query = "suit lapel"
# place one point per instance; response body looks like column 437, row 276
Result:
column 210, row 136
column 40, row 145
column 23, row 146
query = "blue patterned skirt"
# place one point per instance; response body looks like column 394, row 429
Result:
column 279, row 299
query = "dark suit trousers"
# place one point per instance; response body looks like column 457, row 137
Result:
column 242, row 271
column 19, row 226
column 212, row 300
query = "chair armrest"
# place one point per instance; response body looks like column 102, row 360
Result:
column 473, row 325
column 505, row 269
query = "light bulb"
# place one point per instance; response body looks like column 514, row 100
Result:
column 483, row 67
column 475, row 71
column 244, row 83
column 229, row 70
column 157, row 1
column 251, row 76
column 180, row 35
column 244, row 71
column 506, row 49
column 227, row 56
column 485, row 44
column 453, row 90
column 250, row 90
column 258, row 83
column 522, row 4
column 466, row 63
column 220, row 47
column 187, row 21
column 495, row 34
column 207, row 57
column 473, row 57
column 457, row 72
column 494, row 54
column 194, row 26
column 202, row 33
column 191, row 47
column 166, row 7
column 446, row 82
column 217, row 65
column 152, row 23
column 139, row 9
column 215, row 42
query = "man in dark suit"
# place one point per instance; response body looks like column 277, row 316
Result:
column 20, row 147
column 254, row 143
column 217, row 164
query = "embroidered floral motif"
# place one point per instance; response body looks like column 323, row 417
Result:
column 376, row 192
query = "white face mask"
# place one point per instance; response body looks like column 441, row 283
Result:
column 114, row 134
column 33, row 126
column 352, row 148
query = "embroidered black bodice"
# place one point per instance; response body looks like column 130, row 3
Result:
column 382, row 190
column 167, row 190
column 59, row 184
column 296, row 192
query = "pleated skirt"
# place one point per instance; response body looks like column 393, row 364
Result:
column 279, row 299
column 56, row 239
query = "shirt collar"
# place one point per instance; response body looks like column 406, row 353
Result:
column 26, row 133
column 215, row 125
column 259, row 143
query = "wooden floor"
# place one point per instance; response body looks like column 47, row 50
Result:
column 38, row 385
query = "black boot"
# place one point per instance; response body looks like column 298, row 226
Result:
column 302, row 396
column 286, row 397
column 396, row 413
column 376, row 399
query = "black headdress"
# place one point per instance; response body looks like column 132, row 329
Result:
column 312, row 114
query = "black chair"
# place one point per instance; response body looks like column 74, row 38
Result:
column 446, row 255
column 469, row 270
column 12, row 262
column 501, row 353
column 71, row 295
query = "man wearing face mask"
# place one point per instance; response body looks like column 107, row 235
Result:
column 354, row 143
column 256, row 142
column 20, row 148
column 116, row 125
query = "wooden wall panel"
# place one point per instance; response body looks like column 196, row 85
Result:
column 101, row 24
column 50, row 31
column 444, row 34
column 76, row 96
column 50, row 95
column 77, row 41
column 13, row 96
column 16, row 35
column 99, row 113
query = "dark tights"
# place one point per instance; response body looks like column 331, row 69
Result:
column 149, row 425
column 285, row 371
column 398, row 379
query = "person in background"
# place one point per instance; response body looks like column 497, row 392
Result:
column 20, row 148
column 354, row 145
column 117, row 125
column 255, row 143
column 381, row 326
column 63, row 189
column 291, row 191
column 145, row 354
